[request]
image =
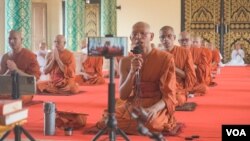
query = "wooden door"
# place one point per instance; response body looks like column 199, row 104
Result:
column 237, row 27
column 39, row 24
column 222, row 22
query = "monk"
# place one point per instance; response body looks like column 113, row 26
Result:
column 60, row 64
column 91, row 73
column 184, row 65
column 200, row 64
column 21, row 60
column 91, row 70
column 206, row 73
column 155, row 96
column 215, row 58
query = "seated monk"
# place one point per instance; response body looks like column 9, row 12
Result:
column 91, row 70
column 200, row 64
column 184, row 65
column 91, row 73
column 155, row 96
column 60, row 64
column 215, row 58
column 21, row 60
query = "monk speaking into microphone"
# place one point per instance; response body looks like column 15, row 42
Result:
column 157, row 97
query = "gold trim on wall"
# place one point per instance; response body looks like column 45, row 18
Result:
column 201, row 18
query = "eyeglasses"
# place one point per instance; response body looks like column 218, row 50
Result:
column 166, row 36
column 183, row 40
column 139, row 34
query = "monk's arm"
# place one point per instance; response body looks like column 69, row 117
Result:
column 180, row 73
column 60, row 64
column 168, row 86
column 126, row 79
column 13, row 67
column 195, row 66
column 4, row 68
column 49, row 63
column 20, row 72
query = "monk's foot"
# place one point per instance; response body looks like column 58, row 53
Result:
column 212, row 84
column 94, row 130
column 190, row 95
column 175, row 131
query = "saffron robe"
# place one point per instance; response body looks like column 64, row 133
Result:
column 60, row 80
column 215, row 59
column 93, row 67
column 25, row 61
column 208, row 77
column 184, row 61
column 158, row 81
column 200, row 60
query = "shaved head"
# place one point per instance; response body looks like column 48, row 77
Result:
column 15, row 32
column 141, row 35
column 184, row 34
column 141, row 25
column 169, row 28
column 60, row 42
column 15, row 40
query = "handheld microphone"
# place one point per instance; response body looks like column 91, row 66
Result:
column 137, row 49
column 145, row 131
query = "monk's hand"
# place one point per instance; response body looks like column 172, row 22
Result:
column 136, row 63
column 56, row 54
column 151, row 113
column 11, row 65
column 86, row 76
column 66, row 88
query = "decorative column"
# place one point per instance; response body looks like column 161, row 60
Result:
column 108, row 17
column 74, row 23
column 18, row 17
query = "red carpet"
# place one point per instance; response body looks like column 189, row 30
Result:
column 227, row 103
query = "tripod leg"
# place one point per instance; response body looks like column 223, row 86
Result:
column 122, row 134
column 5, row 135
column 112, row 135
column 17, row 132
column 27, row 134
column 100, row 133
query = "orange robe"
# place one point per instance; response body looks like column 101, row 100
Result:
column 60, row 80
column 26, row 61
column 208, row 78
column 158, row 81
column 200, row 60
column 93, row 67
column 184, row 61
column 215, row 59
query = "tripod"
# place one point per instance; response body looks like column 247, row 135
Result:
column 111, row 125
column 18, row 129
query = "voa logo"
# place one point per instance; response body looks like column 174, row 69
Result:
column 236, row 132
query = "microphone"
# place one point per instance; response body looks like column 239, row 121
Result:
column 140, row 114
column 145, row 131
column 137, row 49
